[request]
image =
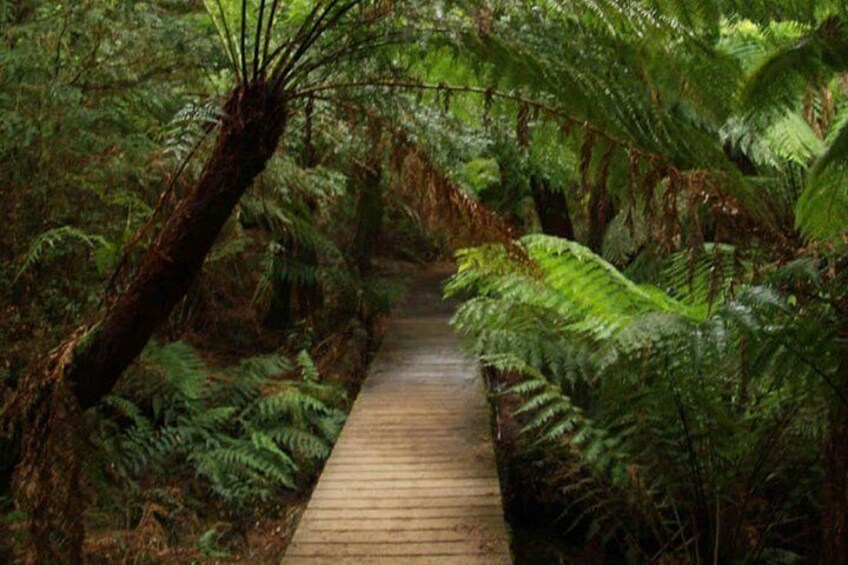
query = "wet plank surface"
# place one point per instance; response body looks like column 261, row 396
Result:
column 413, row 477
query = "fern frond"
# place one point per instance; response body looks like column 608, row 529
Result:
column 56, row 241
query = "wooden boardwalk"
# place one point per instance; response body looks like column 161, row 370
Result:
column 412, row 479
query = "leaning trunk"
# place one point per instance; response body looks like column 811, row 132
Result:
column 248, row 139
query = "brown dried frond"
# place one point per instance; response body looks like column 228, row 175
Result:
column 668, row 229
column 378, row 12
column 484, row 21
column 443, row 204
column 603, row 173
column 566, row 127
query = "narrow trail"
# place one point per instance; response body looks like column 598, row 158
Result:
column 413, row 477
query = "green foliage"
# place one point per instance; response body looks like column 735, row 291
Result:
column 56, row 241
column 803, row 70
column 247, row 430
column 87, row 90
column 779, row 80
column 208, row 544
column 482, row 173
column 823, row 207
column 660, row 406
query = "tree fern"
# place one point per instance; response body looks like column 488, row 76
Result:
column 663, row 404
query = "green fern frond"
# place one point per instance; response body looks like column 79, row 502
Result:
column 56, row 241
column 822, row 210
column 779, row 81
column 301, row 443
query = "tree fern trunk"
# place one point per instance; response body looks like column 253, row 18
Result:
column 247, row 140
column 369, row 216
column 279, row 314
column 552, row 209
column 601, row 212
column 46, row 406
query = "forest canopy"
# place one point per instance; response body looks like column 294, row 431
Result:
column 211, row 207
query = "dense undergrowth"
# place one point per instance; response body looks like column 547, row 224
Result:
column 664, row 424
column 208, row 447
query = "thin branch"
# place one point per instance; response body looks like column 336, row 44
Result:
column 268, row 30
column 244, row 41
column 840, row 393
column 282, row 51
column 169, row 188
column 348, row 50
column 228, row 37
column 281, row 73
column 257, row 39
column 313, row 30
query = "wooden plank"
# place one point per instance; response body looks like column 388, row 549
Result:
column 380, row 493
column 410, row 464
column 416, row 536
column 356, row 458
column 412, row 478
column 487, row 511
column 415, row 502
column 395, row 475
column 368, row 548
column 433, row 559
column 390, row 485
column 470, row 525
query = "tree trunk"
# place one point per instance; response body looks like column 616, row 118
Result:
column 309, row 294
column 279, row 315
column 369, row 215
column 835, row 494
column 552, row 209
column 293, row 297
column 248, row 138
column 601, row 212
